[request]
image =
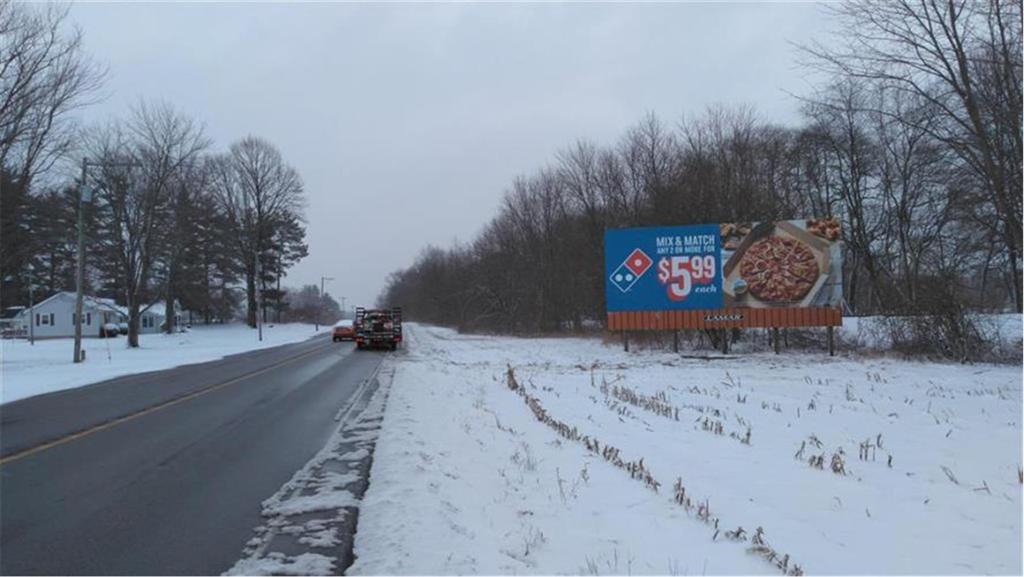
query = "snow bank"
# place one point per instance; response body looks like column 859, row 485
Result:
column 466, row 479
column 312, row 515
column 280, row 564
column 27, row 370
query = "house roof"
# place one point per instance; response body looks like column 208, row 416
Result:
column 160, row 308
column 101, row 303
column 106, row 304
column 47, row 299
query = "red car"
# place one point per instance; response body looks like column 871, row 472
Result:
column 343, row 331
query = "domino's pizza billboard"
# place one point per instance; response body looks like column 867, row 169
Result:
column 662, row 268
column 721, row 271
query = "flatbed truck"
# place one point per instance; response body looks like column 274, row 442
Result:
column 378, row 328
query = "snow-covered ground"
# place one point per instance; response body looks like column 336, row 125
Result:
column 27, row 370
column 478, row 470
column 1004, row 331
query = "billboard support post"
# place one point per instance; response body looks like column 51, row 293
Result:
column 725, row 341
column 625, row 340
column 675, row 341
column 775, row 339
column 831, row 341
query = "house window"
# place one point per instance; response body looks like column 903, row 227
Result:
column 46, row 320
column 88, row 319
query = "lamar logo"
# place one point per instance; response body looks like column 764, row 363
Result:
column 631, row 269
column 712, row 318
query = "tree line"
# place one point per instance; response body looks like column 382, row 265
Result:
column 913, row 139
column 166, row 217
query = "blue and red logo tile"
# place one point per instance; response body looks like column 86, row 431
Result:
column 631, row 269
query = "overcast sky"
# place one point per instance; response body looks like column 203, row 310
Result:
column 408, row 122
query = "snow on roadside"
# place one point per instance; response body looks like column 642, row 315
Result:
column 27, row 370
column 281, row 564
column 308, row 523
column 466, row 479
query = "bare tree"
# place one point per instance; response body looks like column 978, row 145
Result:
column 962, row 57
column 44, row 76
column 189, row 188
column 648, row 155
column 579, row 173
column 841, row 115
column 136, row 164
column 913, row 178
column 256, row 189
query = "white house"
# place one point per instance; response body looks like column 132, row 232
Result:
column 157, row 312
column 12, row 324
column 55, row 316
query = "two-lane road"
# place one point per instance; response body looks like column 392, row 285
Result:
column 164, row 472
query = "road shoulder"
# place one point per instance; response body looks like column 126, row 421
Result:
column 309, row 523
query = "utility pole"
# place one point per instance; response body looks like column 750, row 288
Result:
column 31, row 305
column 320, row 302
column 277, row 307
column 84, row 195
column 259, row 293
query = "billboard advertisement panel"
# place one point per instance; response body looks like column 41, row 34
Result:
column 721, row 270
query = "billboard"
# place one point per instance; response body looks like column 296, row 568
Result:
column 783, row 273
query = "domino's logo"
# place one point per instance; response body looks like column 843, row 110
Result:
column 631, row 269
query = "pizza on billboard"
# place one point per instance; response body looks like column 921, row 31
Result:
column 789, row 263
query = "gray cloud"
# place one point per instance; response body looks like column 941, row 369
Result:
column 407, row 122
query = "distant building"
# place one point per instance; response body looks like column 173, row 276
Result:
column 55, row 317
column 158, row 310
column 12, row 324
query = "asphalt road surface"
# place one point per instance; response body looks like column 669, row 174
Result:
column 164, row 472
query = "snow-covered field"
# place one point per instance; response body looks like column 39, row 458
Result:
column 27, row 370
column 482, row 471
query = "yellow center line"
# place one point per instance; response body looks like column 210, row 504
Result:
column 170, row 403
